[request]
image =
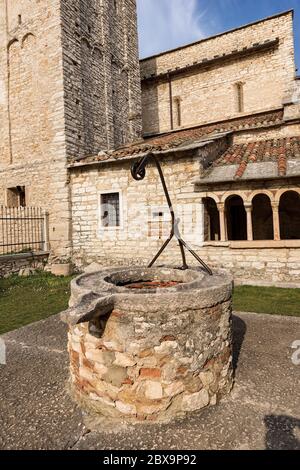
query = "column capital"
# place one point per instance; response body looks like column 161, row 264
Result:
column 275, row 205
column 248, row 206
column 221, row 206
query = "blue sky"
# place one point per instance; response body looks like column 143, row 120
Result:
column 165, row 24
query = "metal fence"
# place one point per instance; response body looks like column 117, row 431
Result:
column 23, row 229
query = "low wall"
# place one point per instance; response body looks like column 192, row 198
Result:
column 278, row 264
column 12, row 264
column 272, row 265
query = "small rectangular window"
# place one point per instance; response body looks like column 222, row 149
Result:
column 110, row 210
column 16, row 197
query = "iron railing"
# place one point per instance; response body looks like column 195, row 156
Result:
column 23, row 229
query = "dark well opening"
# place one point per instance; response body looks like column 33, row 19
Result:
column 148, row 284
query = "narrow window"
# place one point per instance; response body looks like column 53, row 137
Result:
column 240, row 97
column 177, row 111
column 116, row 6
column 16, row 197
column 110, row 210
column 19, row 19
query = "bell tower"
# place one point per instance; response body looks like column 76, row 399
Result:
column 101, row 75
column 69, row 88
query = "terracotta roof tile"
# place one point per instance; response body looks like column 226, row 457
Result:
column 188, row 136
column 276, row 150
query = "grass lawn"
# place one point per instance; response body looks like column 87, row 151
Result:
column 271, row 300
column 24, row 300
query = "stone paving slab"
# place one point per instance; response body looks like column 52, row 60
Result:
column 263, row 411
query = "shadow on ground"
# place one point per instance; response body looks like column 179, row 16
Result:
column 262, row 411
column 280, row 432
column 239, row 333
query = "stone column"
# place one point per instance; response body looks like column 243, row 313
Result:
column 276, row 222
column 248, row 208
column 221, row 209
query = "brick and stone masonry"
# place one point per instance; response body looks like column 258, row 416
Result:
column 69, row 88
column 150, row 354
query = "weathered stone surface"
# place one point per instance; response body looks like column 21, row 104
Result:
column 160, row 376
column 126, row 408
column 153, row 390
column 174, row 389
column 115, row 375
column 206, row 378
column 124, row 360
column 166, row 347
column 195, row 401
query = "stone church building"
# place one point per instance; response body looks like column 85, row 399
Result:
column 222, row 115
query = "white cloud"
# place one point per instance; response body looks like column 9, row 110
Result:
column 165, row 24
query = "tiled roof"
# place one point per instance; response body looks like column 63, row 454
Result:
column 179, row 138
column 277, row 150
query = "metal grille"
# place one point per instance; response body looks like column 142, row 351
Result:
column 22, row 229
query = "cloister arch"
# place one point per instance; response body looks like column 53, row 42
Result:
column 262, row 217
column 211, row 220
column 280, row 192
column 262, row 191
column 236, row 218
column 229, row 194
column 289, row 215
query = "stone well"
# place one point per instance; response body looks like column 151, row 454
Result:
column 150, row 344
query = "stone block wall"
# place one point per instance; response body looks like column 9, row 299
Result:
column 210, row 94
column 137, row 240
column 32, row 122
column 101, row 75
column 69, row 87
column 13, row 264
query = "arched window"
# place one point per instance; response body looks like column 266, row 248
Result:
column 236, row 218
column 289, row 213
column 177, row 111
column 262, row 218
column 211, row 220
column 240, row 97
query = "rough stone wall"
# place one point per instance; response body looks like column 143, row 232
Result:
column 144, row 371
column 210, row 94
column 260, row 264
column 69, row 86
column 32, row 136
column 31, row 108
column 101, row 75
column 137, row 238
column 10, row 265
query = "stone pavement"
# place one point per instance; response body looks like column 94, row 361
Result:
column 263, row 411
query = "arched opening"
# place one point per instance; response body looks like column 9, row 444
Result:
column 262, row 218
column 236, row 218
column 289, row 213
column 211, row 220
